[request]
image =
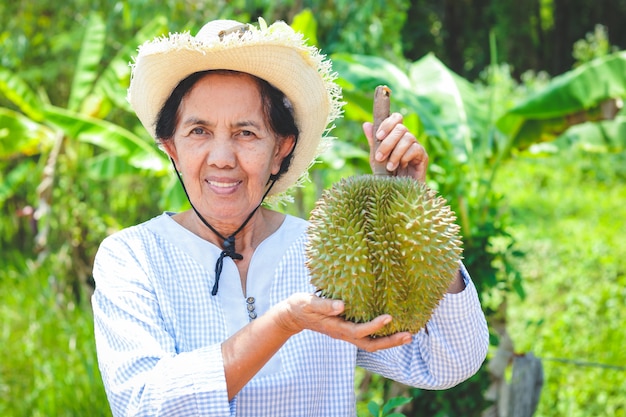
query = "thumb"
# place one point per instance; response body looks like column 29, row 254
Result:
column 330, row 307
column 367, row 129
column 369, row 134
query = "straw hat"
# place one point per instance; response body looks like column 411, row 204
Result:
column 274, row 53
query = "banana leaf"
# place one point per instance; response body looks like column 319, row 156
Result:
column 305, row 23
column 460, row 110
column 89, row 59
column 20, row 135
column 600, row 137
column 359, row 75
column 16, row 90
column 448, row 109
column 114, row 80
column 137, row 152
column 107, row 166
column 571, row 98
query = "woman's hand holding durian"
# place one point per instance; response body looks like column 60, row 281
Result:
column 299, row 312
column 307, row 311
column 406, row 157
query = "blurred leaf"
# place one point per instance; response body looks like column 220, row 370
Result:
column 173, row 197
column 305, row 23
column 605, row 136
column 359, row 77
column 107, row 166
column 11, row 181
column 544, row 116
column 373, row 408
column 364, row 73
column 114, row 80
column 394, row 403
column 453, row 102
column 109, row 136
column 341, row 152
column 19, row 93
column 21, row 136
column 89, row 61
column 445, row 107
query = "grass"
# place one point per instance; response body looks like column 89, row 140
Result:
column 47, row 361
column 569, row 217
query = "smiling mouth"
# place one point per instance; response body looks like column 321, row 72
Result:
column 219, row 184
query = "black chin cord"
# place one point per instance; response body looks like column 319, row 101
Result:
column 228, row 245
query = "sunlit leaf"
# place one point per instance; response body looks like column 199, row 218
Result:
column 605, row 136
column 89, row 61
column 447, row 108
column 21, row 136
column 14, row 88
column 359, row 75
column 373, row 408
column 365, row 73
column 114, row 80
column 547, row 114
column 453, row 100
column 305, row 23
column 394, row 403
column 341, row 152
column 108, row 166
column 136, row 151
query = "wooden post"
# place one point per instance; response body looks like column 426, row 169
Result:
column 519, row 396
column 525, row 385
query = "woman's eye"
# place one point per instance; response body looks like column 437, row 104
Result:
column 246, row 134
column 197, row 131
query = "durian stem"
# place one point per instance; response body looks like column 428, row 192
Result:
column 382, row 110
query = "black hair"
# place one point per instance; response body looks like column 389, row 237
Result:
column 277, row 110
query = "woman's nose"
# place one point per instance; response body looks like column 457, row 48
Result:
column 221, row 154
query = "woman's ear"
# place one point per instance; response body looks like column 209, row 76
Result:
column 283, row 150
column 170, row 149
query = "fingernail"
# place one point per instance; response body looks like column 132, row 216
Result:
column 380, row 134
column 386, row 320
column 337, row 305
column 379, row 156
column 391, row 166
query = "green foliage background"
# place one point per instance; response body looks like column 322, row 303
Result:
column 76, row 166
column 569, row 216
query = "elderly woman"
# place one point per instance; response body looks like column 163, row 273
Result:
column 210, row 311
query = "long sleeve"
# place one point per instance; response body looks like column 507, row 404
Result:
column 449, row 350
column 143, row 371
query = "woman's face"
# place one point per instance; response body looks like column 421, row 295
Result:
column 224, row 147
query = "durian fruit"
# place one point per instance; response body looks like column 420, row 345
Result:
column 384, row 245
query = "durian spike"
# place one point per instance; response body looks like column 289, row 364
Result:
column 382, row 110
